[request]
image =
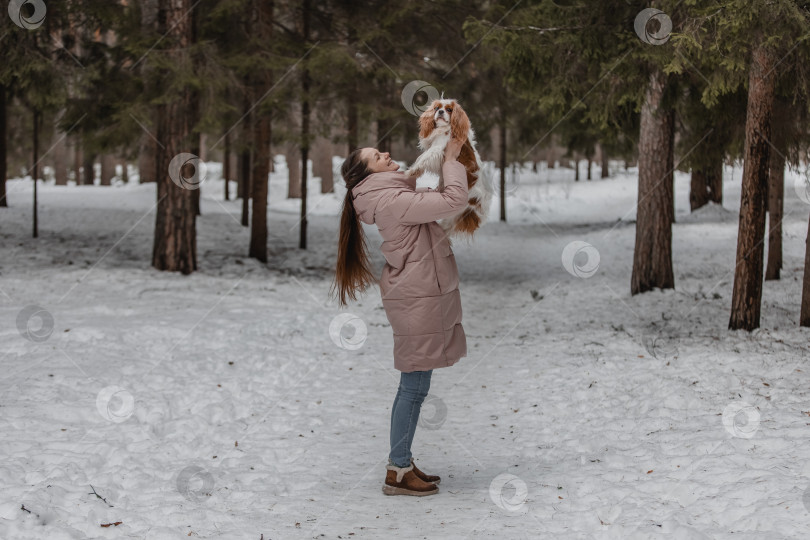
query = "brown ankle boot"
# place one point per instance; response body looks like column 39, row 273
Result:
column 432, row 478
column 403, row 481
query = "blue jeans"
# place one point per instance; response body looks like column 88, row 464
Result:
column 413, row 388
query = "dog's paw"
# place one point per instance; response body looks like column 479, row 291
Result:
column 410, row 173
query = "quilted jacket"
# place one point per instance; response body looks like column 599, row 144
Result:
column 419, row 282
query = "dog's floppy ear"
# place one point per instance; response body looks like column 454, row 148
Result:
column 426, row 123
column 459, row 123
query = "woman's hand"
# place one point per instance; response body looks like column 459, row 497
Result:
column 453, row 149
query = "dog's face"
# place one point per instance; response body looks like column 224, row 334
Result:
column 444, row 112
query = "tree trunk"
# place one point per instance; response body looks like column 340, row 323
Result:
column 698, row 189
column 262, row 28
column 383, row 135
column 107, row 169
column 652, row 258
column 240, row 181
column 175, row 243
column 147, row 160
column 706, row 185
column 60, row 153
column 226, row 165
column 246, row 156
column 352, row 121
column 383, row 140
column 203, row 144
column 244, row 167
column 502, row 134
column 747, row 296
column 804, row 317
column 88, row 169
column 35, row 168
column 605, row 163
column 258, row 182
column 196, row 149
column 670, row 180
column 322, row 164
column 776, row 196
column 305, row 83
column 576, row 169
column 293, row 157
column 3, row 148
column 590, row 162
column 124, row 171
column 714, row 181
column 352, row 112
column 77, row 160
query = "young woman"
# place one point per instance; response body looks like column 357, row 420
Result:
column 418, row 285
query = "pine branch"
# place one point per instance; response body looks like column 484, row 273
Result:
column 24, row 509
column 533, row 28
column 99, row 496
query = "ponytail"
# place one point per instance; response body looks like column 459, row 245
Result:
column 352, row 271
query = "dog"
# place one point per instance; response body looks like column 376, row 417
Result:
column 444, row 119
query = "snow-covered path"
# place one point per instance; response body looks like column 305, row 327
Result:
column 218, row 405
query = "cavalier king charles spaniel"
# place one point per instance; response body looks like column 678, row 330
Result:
column 442, row 120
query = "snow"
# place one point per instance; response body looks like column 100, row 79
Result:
column 222, row 404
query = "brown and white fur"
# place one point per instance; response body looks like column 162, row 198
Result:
column 442, row 120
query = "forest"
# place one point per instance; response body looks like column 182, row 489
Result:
column 171, row 181
column 119, row 84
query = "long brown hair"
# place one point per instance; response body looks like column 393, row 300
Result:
column 352, row 271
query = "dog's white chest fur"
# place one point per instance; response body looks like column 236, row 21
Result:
column 432, row 156
column 431, row 160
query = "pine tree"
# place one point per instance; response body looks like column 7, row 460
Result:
column 572, row 57
column 175, row 243
column 789, row 136
column 757, row 42
column 262, row 29
column 707, row 138
column 652, row 257
column 32, row 74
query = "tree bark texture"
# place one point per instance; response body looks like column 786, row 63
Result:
column 175, row 242
column 747, row 294
column 652, row 258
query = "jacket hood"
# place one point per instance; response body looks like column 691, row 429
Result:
column 367, row 194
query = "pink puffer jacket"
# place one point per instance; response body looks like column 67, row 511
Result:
column 419, row 282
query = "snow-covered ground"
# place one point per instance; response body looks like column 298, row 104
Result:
column 238, row 403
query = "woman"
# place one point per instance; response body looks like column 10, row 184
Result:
column 419, row 285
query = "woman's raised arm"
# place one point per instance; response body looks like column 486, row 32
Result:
column 414, row 207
